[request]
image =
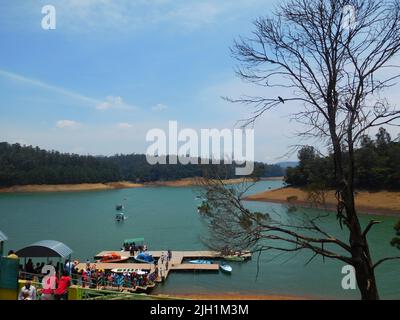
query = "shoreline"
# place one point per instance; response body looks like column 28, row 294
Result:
column 188, row 182
column 380, row 203
column 37, row 188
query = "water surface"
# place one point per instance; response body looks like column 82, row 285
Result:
column 168, row 219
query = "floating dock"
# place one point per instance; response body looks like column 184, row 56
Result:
column 177, row 262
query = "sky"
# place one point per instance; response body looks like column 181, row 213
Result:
column 113, row 70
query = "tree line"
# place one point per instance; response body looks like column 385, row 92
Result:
column 22, row 165
column 376, row 163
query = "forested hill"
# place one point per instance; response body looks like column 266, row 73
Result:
column 22, row 165
column 377, row 166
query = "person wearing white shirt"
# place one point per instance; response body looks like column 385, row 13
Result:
column 28, row 288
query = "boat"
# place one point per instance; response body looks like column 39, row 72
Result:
column 200, row 261
column 120, row 216
column 234, row 258
column 144, row 257
column 225, row 268
column 129, row 270
column 119, row 207
column 113, row 258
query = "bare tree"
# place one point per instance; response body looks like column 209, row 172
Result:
column 337, row 69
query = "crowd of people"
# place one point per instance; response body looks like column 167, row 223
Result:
column 46, row 281
column 52, row 288
column 53, row 281
column 92, row 277
column 133, row 248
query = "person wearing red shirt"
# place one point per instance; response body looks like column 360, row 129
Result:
column 61, row 293
column 50, row 283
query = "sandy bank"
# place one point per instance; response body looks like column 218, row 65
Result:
column 379, row 203
column 71, row 187
column 106, row 186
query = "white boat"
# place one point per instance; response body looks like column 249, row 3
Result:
column 200, row 262
column 128, row 270
column 225, row 268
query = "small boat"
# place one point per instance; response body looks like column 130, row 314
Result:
column 120, row 216
column 144, row 258
column 112, row 258
column 127, row 270
column 200, row 261
column 119, row 207
column 225, row 268
column 234, row 258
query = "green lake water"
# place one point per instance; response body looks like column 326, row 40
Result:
column 168, row 219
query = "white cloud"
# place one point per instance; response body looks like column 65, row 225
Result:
column 41, row 84
column 67, row 124
column 159, row 107
column 112, row 102
column 124, row 125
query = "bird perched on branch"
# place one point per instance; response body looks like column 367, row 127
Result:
column 281, row 99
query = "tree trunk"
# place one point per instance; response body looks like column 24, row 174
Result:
column 361, row 257
column 366, row 280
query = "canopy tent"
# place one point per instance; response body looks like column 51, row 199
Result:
column 137, row 241
column 45, row 248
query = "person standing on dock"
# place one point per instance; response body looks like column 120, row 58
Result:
column 12, row 255
column 61, row 293
column 162, row 257
column 169, row 255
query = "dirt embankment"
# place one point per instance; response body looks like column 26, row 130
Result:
column 380, row 203
column 107, row 186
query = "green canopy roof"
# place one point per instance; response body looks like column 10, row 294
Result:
column 135, row 240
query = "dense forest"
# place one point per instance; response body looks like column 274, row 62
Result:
column 377, row 164
column 21, row 165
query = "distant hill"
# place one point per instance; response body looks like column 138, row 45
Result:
column 288, row 164
column 23, row 165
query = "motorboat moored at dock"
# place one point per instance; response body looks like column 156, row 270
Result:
column 113, row 258
column 225, row 268
column 199, row 261
column 144, row 257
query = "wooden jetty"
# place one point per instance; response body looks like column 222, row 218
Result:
column 205, row 254
column 164, row 266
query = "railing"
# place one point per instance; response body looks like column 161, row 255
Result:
column 99, row 287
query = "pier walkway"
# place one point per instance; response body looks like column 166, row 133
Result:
column 164, row 266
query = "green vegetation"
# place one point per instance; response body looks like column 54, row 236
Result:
column 396, row 240
column 377, row 166
column 22, row 165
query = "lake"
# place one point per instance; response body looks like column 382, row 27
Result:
column 168, row 219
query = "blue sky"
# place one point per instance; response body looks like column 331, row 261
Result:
column 112, row 70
